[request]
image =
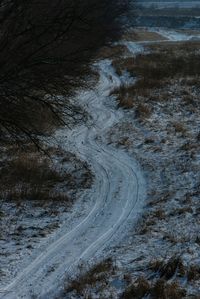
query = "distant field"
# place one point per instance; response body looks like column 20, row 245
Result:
column 168, row 14
column 168, row 4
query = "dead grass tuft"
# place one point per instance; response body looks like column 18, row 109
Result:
column 180, row 128
column 167, row 270
column 163, row 290
column 33, row 176
column 158, row 290
column 156, row 70
column 193, row 273
column 137, row 290
column 143, row 111
column 97, row 274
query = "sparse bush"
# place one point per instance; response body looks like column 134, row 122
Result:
column 159, row 214
column 142, row 111
column 160, row 289
column 97, row 274
column 138, row 290
column 193, row 273
column 179, row 128
column 180, row 211
column 163, row 290
column 125, row 102
column 166, row 270
column 198, row 137
column 32, row 176
column 124, row 98
column 157, row 69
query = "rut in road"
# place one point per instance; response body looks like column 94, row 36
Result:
column 118, row 193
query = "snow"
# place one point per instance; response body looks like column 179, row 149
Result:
column 104, row 221
column 174, row 35
column 117, row 195
column 133, row 47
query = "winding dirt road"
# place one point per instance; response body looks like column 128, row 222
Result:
column 118, row 193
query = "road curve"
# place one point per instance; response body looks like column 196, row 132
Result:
column 118, row 193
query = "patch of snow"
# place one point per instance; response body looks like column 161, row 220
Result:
column 134, row 48
column 173, row 35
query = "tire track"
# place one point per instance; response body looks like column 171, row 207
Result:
column 118, row 191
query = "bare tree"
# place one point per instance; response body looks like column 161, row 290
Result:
column 44, row 46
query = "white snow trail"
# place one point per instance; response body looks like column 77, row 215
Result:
column 118, row 193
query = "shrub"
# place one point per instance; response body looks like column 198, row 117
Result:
column 138, row 290
column 193, row 273
column 142, row 111
column 167, row 269
column 160, row 289
column 31, row 176
column 98, row 273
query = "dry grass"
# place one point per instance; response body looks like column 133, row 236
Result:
column 167, row 270
column 174, row 268
column 142, row 35
column 193, row 273
column 137, row 290
column 150, row 219
column 97, row 274
column 163, row 290
column 124, row 98
column 30, row 169
column 180, row 128
column 26, row 174
column 168, row 86
column 181, row 211
column 110, row 52
column 143, row 111
column 30, row 177
column 127, row 99
column 125, row 102
column 157, row 69
column 157, row 290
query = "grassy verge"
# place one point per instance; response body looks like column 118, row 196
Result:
column 32, row 176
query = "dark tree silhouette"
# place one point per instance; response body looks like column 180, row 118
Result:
column 44, row 46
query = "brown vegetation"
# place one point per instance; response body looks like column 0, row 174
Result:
column 32, row 176
column 166, row 143
column 156, row 70
column 97, row 274
column 167, row 270
column 174, row 268
column 160, row 289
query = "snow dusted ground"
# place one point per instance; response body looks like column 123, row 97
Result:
column 117, row 197
column 170, row 160
column 169, row 227
column 103, row 220
column 27, row 227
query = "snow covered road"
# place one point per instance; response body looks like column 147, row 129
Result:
column 118, row 194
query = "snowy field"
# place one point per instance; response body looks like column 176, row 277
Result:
column 143, row 206
column 168, row 4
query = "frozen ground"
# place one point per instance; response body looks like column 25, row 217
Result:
column 111, row 142
column 168, row 4
column 117, row 197
column 169, row 227
column 170, row 160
